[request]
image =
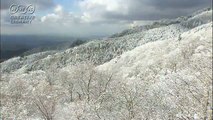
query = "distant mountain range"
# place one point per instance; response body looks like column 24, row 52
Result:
column 21, row 45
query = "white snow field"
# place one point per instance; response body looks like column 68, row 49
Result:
column 158, row 72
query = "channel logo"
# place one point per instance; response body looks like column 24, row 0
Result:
column 22, row 9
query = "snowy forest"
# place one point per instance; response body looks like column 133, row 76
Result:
column 161, row 71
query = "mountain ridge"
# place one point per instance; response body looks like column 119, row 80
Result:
column 113, row 47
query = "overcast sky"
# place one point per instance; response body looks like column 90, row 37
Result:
column 94, row 17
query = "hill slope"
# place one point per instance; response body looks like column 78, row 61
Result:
column 100, row 52
column 159, row 73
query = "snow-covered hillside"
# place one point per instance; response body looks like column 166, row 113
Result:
column 100, row 52
column 158, row 73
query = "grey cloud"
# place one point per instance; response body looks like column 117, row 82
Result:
column 177, row 4
column 41, row 4
column 5, row 4
column 158, row 9
column 44, row 4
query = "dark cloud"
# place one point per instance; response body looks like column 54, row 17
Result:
column 177, row 4
column 98, row 16
column 158, row 9
column 41, row 4
column 5, row 4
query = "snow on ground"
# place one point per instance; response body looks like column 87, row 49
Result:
column 157, row 74
column 101, row 51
